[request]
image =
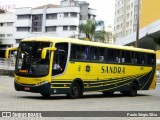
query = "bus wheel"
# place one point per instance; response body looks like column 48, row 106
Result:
column 46, row 95
column 133, row 91
column 108, row 93
column 124, row 92
column 75, row 91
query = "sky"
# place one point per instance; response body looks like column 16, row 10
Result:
column 105, row 8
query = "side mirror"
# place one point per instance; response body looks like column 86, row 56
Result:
column 44, row 52
column 9, row 49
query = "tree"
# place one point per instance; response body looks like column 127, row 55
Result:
column 102, row 36
column 89, row 29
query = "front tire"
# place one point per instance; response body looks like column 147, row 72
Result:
column 75, row 91
column 46, row 95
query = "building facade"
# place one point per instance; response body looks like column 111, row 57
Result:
column 7, row 30
column 110, row 38
column 125, row 18
column 52, row 20
column 149, row 22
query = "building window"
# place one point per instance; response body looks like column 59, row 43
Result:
column 23, row 16
column 73, row 14
column 51, row 28
column 73, row 27
column 1, row 24
column 94, row 17
column 9, row 35
column 65, row 27
column 23, row 29
column 66, row 15
column 127, row 24
column 9, row 23
column 2, row 35
column 18, row 40
column 36, row 23
column 51, row 16
column 128, row 15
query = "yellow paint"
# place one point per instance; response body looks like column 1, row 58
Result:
column 98, row 71
column 158, row 54
column 150, row 10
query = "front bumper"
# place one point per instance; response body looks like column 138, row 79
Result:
column 45, row 88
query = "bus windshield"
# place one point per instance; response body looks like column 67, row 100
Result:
column 29, row 62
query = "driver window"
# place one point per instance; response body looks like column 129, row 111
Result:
column 60, row 58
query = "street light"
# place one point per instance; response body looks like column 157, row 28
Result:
column 137, row 31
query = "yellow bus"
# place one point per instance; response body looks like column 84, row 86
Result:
column 48, row 65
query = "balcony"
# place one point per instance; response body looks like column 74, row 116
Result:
column 23, row 23
column 64, row 21
column 63, row 9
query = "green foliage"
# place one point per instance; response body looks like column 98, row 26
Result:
column 89, row 29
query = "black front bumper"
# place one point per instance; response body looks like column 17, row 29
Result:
column 30, row 88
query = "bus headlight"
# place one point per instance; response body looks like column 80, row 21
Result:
column 41, row 83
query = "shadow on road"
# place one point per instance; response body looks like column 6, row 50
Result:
column 85, row 96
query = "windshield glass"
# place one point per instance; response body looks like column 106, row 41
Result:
column 29, row 62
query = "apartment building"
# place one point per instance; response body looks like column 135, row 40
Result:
column 52, row 20
column 110, row 38
column 7, row 30
column 125, row 18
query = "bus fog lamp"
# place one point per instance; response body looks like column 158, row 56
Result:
column 41, row 83
column 55, row 90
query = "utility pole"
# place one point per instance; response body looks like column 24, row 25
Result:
column 138, row 17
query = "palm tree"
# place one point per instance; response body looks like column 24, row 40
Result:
column 102, row 36
column 89, row 29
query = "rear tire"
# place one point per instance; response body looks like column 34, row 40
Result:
column 133, row 91
column 75, row 91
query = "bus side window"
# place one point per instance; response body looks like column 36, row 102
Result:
column 138, row 58
column 126, row 56
column 101, row 54
column 97, row 54
column 110, row 55
column 132, row 57
column 113, row 56
column 150, row 59
column 79, row 52
column 94, row 54
column 74, row 52
column 84, row 53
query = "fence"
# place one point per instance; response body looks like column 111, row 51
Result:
column 7, row 64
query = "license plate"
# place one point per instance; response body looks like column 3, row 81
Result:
column 27, row 88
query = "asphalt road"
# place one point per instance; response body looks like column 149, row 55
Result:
column 11, row 100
